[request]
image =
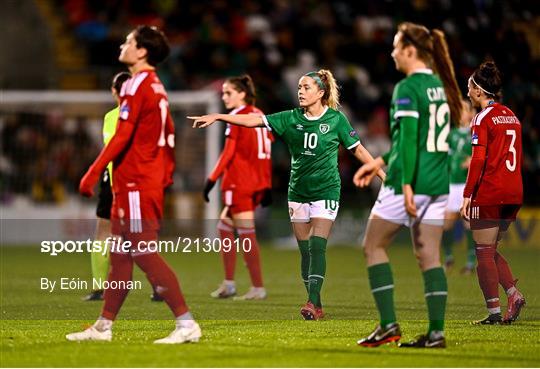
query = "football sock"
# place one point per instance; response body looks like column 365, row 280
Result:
column 121, row 270
column 160, row 275
column 226, row 232
column 248, row 240
column 184, row 321
column 317, row 268
column 100, row 264
column 303, row 245
column 103, row 324
column 471, row 251
column 381, row 283
column 436, row 293
column 511, row 291
column 447, row 241
column 506, row 279
column 488, row 276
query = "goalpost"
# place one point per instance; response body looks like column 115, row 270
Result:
column 30, row 121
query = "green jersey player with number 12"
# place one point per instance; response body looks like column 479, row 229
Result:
column 313, row 133
column 416, row 189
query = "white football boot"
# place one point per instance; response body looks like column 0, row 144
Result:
column 254, row 293
column 225, row 290
column 90, row 334
column 182, row 335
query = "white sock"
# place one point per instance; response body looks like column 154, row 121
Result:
column 495, row 310
column 229, row 283
column 511, row 291
column 103, row 324
column 185, row 321
column 435, row 335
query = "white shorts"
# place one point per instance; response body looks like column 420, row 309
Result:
column 391, row 207
column 303, row 212
column 455, row 197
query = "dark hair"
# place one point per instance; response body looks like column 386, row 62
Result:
column 244, row 83
column 488, row 77
column 154, row 41
column 119, row 79
column 432, row 48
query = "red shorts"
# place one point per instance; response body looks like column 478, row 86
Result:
column 136, row 215
column 490, row 216
column 238, row 201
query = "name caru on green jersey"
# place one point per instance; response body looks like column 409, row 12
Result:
column 313, row 143
column 420, row 96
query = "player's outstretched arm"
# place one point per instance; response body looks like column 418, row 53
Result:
column 364, row 177
column 243, row 120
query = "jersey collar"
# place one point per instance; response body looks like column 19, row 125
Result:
column 423, row 71
column 319, row 117
column 234, row 111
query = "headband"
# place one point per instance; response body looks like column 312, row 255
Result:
column 480, row 87
column 317, row 79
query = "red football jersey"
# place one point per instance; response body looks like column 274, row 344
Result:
column 499, row 131
column 250, row 167
column 148, row 161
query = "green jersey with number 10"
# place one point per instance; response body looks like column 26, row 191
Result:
column 313, row 144
column 421, row 95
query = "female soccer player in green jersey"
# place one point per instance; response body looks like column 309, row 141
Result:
column 459, row 156
column 416, row 188
column 313, row 133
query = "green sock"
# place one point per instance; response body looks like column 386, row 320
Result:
column 304, row 261
column 436, row 292
column 317, row 268
column 100, row 265
column 447, row 241
column 382, row 288
column 471, row 251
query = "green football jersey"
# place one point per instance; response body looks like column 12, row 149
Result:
column 109, row 127
column 313, row 144
column 421, row 95
column 459, row 141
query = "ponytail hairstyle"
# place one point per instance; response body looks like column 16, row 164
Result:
column 326, row 82
column 244, row 83
column 432, row 48
column 488, row 78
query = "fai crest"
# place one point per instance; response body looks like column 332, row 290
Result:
column 324, row 128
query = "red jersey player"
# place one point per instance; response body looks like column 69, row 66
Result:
column 493, row 193
column 143, row 162
column 246, row 170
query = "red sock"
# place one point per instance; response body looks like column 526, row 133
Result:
column 226, row 232
column 163, row 278
column 488, row 277
column 121, row 270
column 505, row 274
column 252, row 257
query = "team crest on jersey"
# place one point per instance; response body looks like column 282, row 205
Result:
column 299, row 127
column 324, row 128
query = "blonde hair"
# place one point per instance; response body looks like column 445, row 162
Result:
column 326, row 82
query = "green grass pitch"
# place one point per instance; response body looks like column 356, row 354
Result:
column 266, row 333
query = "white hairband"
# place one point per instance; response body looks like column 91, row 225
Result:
column 480, row 87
